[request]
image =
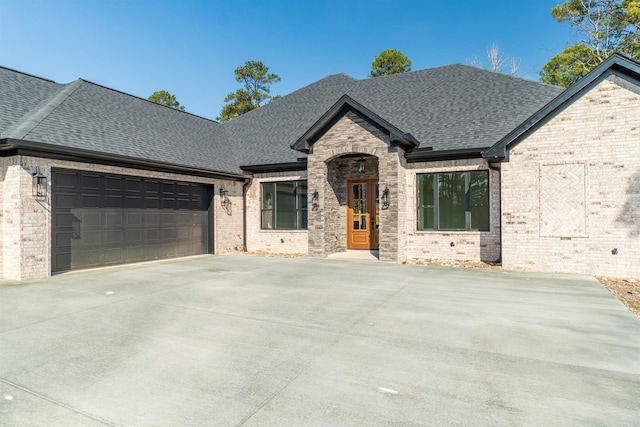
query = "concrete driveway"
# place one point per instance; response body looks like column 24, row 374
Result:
column 240, row 340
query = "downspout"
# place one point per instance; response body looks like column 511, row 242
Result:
column 499, row 170
column 245, row 187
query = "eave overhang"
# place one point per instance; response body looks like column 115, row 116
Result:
column 11, row 147
column 616, row 64
column 300, row 165
column 429, row 155
column 344, row 105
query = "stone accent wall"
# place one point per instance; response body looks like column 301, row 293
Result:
column 339, row 171
column 273, row 241
column 330, row 165
column 26, row 222
column 571, row 190
column 451, row 245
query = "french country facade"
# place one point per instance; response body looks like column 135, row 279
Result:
column 450, row 163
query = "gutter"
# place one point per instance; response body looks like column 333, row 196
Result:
column 10, row 146
column 499, row 170
column 245, row 187
column 428, row 154
column 300, row 165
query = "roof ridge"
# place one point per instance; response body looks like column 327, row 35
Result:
column 507, row 75
column 34, row 117
column 146, row 100
column 28, row 75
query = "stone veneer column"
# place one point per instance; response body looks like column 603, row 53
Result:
column 316, row 181
column 388, row 178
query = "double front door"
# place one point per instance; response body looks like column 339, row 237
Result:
column 362, row 213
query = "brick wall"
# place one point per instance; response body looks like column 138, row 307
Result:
column 571, row 190
column 452, row 245
column 272, row 241
column 3, row 172
column 26, row 222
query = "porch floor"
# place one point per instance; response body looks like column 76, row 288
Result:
column 373, row 255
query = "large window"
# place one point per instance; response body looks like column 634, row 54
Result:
column 453, row 201
column 284, row 205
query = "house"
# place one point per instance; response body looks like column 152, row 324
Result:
column 453, row 162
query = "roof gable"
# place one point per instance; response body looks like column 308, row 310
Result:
column 615, row 65
column 344, row 105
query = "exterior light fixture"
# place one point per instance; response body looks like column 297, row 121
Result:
column 315, row 204
column 39, row 185
column 361, row 164
column 385, row 198
column 224, row 197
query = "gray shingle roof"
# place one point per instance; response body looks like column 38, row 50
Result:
column 456, row 106
column 451, row 107
column 87, row 116
column 264, row 135
column 447, row 108
column 20, row 94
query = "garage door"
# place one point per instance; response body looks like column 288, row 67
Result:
column 100, row 219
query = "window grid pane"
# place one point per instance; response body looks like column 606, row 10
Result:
column 453, row 201
column 452, row 205
column 284, row 205
column 267, row 206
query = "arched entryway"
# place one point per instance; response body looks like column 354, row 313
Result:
column 352, row 203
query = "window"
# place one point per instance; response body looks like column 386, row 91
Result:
column 284, row 205
column 453, row 201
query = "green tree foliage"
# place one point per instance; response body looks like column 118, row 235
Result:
column 389, row 62
column 568, row 67
column 256, row 89
column 163, row 97
column 604, row 27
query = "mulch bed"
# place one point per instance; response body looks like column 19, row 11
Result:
column 626, row 290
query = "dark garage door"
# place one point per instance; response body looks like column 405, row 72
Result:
column 101, row 219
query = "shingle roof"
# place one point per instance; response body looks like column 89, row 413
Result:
column 88, row 116
column 21, row 93
column 447, row 108
column 456, row 106
column 264, row 135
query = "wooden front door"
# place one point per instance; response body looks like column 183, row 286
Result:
column 362, row 213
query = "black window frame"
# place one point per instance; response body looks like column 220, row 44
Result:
column 435, row 199
column 299, row 211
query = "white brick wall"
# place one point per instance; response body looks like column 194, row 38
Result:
column 467, row 245
column 601, row 132
column 272, row 241
column 26, row 223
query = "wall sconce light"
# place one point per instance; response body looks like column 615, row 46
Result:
column 361, row 164
column 315, row 203
column 39, row 185
column 224, row 197
column 385, row 198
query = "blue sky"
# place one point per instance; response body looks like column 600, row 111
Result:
column 191, row 48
